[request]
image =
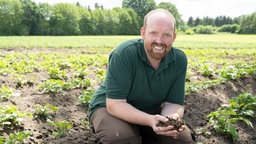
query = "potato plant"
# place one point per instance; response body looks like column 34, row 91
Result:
column 61, row 127
column 15, row 138
column 86, row 96
column 5, row 93
column 10, row 116
column 239, row 109
column 44, row 112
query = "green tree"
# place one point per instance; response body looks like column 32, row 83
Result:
column 141, row 7
column 135, row 25
column 65, row 20
column 248, row 24
column 11, row 15
column 172, row 8
column 207, row 21
column 31, row 16
column 128, row 22
column 45, row 12
column 110, row 22
column 190, row 22
column 85, row 23
column 97, row 20
column 197, row 21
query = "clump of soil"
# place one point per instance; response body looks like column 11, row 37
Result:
column 173, row 122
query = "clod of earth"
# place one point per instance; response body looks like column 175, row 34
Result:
column 175, row 123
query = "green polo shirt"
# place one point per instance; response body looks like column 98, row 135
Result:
column 130, row 76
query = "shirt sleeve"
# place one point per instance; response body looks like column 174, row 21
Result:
column 119, row 77
column 177, row 90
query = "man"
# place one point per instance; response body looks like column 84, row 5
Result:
column 145, row 82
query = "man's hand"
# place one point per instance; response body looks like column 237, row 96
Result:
column 168, row 126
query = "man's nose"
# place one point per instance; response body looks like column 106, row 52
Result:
column 159, row 38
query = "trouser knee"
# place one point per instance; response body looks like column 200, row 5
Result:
column 111, row 130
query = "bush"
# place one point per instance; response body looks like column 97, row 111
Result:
column 189, row 32
column 229, row 28
column 200, row 29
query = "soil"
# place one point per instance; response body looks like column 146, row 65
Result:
column 198, row 105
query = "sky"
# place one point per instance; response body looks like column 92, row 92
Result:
column 187, row 8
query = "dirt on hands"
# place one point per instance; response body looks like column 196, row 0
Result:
column 175, row 123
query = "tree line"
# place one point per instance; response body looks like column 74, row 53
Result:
column 25, row 17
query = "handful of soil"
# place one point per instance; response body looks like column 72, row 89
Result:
column 175, row 123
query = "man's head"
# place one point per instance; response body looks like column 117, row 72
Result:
column 158, row 33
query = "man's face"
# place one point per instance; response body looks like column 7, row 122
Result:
column 158, row 36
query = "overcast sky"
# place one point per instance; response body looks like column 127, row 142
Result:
column 187, row 8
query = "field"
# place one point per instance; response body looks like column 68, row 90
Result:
column 47, row 82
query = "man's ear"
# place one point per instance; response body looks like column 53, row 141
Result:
column 174, row 36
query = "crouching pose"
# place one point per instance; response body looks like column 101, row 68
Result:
column 145, row 84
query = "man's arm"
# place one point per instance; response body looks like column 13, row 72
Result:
column 123, row 110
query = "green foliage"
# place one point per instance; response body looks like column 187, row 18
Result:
column 10, row 116
column 61, row 128
column 54, row 86
column 206, row 69
column 248, row 24
column 229, row 28
column 56, row 73
column 189, row 32
column 11, row 13
column 20, row 82
column 44, row 112
column 244, row 103
column 66, row 20
column 200, row 29
column 86, row 96
column 16, row 138
column 222, row 122
column 5, row 93
column 81, row 83
column 239, row 109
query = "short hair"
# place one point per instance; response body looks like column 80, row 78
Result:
column 162, row 11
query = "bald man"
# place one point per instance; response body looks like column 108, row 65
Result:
column 145, row 84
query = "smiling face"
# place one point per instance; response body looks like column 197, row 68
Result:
column 158, row 34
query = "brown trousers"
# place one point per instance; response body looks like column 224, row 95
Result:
column 111, row 130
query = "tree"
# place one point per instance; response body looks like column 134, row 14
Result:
column 31, row 16
column 248, row 24
column 190, row 22
column 45, row 12
column 141, row 7
column 85, row 23
column 110, row 22
column 128, row 22
column 172, row 8
column 65, row 20
column 197, row 21
column 208, row 21
column 11, row 15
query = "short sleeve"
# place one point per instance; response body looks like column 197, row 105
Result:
column 119, row 77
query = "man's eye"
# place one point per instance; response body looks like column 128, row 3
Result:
column 153, row 33
column 167, row 35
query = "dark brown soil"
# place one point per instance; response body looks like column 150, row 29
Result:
column 173, row 122
column 198, row 106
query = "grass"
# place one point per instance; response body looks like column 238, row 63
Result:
column 225, row 41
